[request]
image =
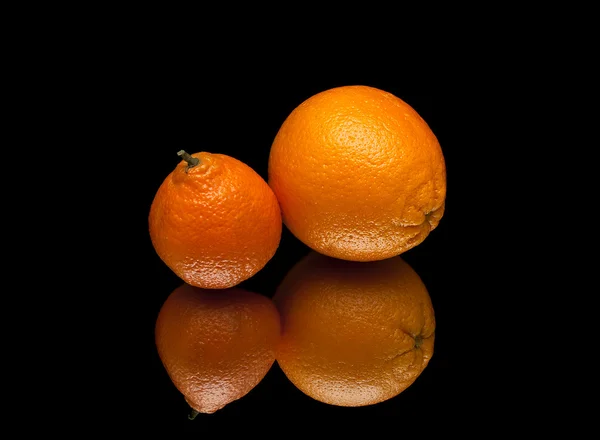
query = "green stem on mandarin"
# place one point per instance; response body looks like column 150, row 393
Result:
column 192, row 415
column 191, row 161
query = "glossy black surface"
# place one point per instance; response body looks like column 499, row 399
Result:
column 241, row 119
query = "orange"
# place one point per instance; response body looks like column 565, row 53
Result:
column 354, row 333
column 214, row 221
column 216, row 345
column 358, row 173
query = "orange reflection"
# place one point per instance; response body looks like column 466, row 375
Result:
column 354, row 333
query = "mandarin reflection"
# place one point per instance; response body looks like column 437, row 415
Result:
column 216, row 344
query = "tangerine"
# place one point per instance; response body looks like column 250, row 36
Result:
column 214, row 221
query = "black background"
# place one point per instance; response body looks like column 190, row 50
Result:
column 161, row 113
column 108, row 110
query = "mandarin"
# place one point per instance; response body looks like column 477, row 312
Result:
column 214, row 221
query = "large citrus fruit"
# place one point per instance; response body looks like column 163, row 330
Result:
column 358, row 173
column 216, row 345
column 354, row 333
column 214, row 221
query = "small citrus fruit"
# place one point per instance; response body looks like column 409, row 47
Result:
column 353, row 333
column 358, row 173
column 216, row 345
column 214, row 221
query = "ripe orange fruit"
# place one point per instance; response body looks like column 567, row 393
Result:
column 353, row 333
column 216, row 345
column 214, row 221
column 359, row 175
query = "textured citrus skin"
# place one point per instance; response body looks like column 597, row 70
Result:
column 215, row 224
column 358, row 173
column 354, row 334
column 216, row 346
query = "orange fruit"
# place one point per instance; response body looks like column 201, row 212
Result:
column 216, row 345
column 353, row 333
column 358, row 173
column 214, row 221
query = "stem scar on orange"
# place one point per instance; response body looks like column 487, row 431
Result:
column 214, row 221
